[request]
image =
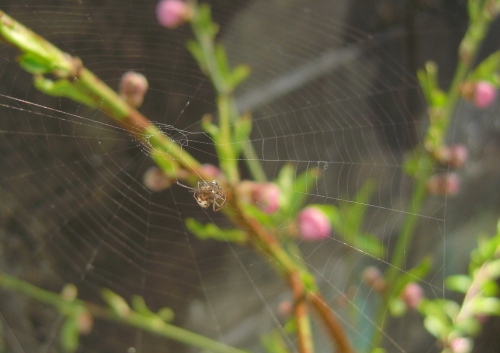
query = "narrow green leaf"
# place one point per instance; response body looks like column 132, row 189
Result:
column 222, row 63
column 211, row 129
column 300, row 189
column 35, row 64
column 242, row 130
column 285, row 180
column 397, row 307
column 273, row 342
column 486, row 70
column 239, row 74
column 69, row 335
column 64, row 88
column 115, row 302
column 197, row 53
column 211, row 231
column 458, row 283
column 487, row 306
column 436, row 327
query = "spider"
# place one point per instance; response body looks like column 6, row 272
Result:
column 208, row 193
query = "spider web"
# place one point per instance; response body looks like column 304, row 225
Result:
column 332, row 87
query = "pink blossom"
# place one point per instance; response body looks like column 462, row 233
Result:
column 267, row 196
column 485, row 94
column 133, row 88
column 412, row 295
column 313, row 224
column 443, row 184
column 173, row 13
column 211, row 172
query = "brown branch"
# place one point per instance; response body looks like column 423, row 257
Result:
column 332, row 325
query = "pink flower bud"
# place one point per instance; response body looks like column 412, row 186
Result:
column 443, row 184
column 485, row 94
column 173, row 13
column 461, row 345
column 267, row 196
column 455, row 156
column 412, row 295
column 285, row 308
column 313, row 224
column 211, row 172
column 133, row 88
column 155, row 180
column 372, row 277
column 85, row 322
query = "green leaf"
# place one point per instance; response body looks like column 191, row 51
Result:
column 211, row 231
column 489, row 288
column 487, row 69
column 35, row 64
column 397, row 307
column 115, row 302
column 242, row 130
column 166, row 314
column 222, row 63
column 428, row 79
column 300, row 190
column 211, row 129
column 468, row 327
column 458, row 283
column 273, row 342
column 285, row 180
column 413, row 275
column 435, row 326
column 64, row 88
column 197, row 53
column 69, row 335
column 239, row 74
column 487, row 306
column 140, row 306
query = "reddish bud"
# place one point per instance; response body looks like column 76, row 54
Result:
column 313, row 224
column 85, row 322
column 285, row 308
column 133, row 88
column 155, row 180
column 267, row 196
column 173, row 13
column 484, row 95
column 443, row 184
column 211, row 172
column 372, row 277
column 461, row 345
column 455, row 156
column 412, row 295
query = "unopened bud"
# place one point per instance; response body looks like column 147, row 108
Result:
column 481, row 93
column 85, row 322
column 455, row 156
column 313, row 224
column 133, row 88
column 211, row 172
column 461, row 345
column 412, row 295
column 372, row 277
column 155, row 180
column 266, row 196
column 443, row 184
column 173, row 13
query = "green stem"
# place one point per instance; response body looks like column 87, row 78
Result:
column 133, row 319
column 468, row 50
column 226, row 104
